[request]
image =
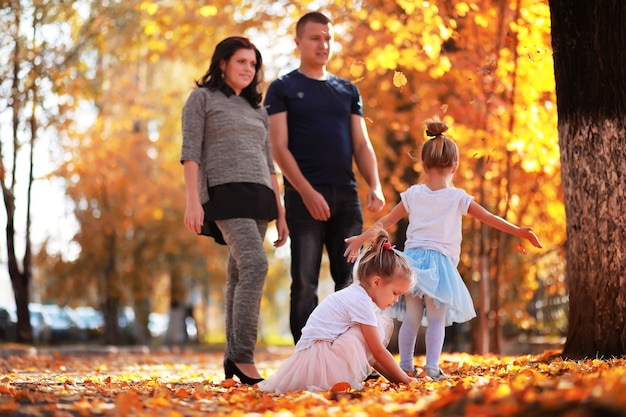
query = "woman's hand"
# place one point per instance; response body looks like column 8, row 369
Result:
column 282, row 229
column 194, row 217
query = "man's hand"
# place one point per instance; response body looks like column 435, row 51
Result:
column 316, row 204
column 375, row 200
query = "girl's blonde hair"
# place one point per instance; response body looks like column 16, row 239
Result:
column 439, row 151
column 381, row 259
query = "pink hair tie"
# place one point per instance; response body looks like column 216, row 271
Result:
column 388, row 246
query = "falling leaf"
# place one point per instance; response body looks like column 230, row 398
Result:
column 509, row 39
column 399, row 79
column 357, row 69
column 521, row 249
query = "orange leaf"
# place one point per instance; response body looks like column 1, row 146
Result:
column 521, row 249
column 228, row 383
column 126, row 401
column 7, row 389
column 181, row 393
column 340, row 386
column 9, row 407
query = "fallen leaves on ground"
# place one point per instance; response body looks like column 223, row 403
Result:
column 190, row 383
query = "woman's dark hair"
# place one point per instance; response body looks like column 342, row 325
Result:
column 213, row 78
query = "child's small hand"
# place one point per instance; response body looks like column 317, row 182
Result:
column 528, row 234
column 410, row 381
column 353, row 249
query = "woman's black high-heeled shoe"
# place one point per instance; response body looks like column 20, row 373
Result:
column 231, row 369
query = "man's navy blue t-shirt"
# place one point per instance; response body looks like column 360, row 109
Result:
column 318, row 124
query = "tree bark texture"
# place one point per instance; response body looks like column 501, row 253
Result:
column 589, row 44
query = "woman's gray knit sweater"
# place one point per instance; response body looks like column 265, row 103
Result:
column 228, row 138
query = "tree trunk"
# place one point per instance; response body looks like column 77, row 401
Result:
column 112, row 332
column 20, row 279
column 176, row 331
column 589, row 43
column 481, row 336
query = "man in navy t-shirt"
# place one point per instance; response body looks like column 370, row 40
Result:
column 316, row 129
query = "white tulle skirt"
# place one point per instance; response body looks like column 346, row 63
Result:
column 325, row 363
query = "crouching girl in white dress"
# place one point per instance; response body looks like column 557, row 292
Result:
column 345, row 336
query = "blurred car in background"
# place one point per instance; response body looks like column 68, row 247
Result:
column 42, row 330
column 8, row 324
column 53, row 324
column 89, row 320
column 158, row 325
column 62, row 327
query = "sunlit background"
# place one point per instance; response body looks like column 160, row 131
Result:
column 108, row 197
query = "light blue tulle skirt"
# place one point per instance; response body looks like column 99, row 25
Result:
column 438, row 278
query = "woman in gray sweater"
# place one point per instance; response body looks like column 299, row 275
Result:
column 231, row 187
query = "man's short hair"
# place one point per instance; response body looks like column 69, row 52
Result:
column 315, row 17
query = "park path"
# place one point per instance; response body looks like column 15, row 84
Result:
column 177, row 382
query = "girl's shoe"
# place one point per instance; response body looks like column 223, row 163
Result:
column 373, row 375
column 413, row 372
column 435, row 373
column 231, row 369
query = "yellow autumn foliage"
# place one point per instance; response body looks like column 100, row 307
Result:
column 487, row 69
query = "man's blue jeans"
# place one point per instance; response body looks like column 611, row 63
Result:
column 308, row 238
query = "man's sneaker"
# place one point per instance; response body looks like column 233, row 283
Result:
column 435, row 373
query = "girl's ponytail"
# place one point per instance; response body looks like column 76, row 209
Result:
column 439, row 151
column 381, row 259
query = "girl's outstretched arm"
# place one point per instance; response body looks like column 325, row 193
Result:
column 480, row 213
column 385, row 362
column 355, row 242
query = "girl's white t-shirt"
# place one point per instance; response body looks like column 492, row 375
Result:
column 435, row 219
column 336, row 314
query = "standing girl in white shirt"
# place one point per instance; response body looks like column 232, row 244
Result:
column 435, row 208
column 345, row 335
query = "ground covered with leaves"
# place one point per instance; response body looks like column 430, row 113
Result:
column 191, row 383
